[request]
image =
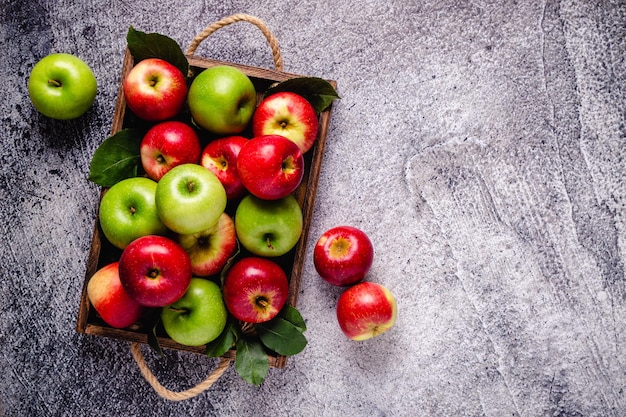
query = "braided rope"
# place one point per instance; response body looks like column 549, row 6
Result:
column 241, row 17
column 135, row 349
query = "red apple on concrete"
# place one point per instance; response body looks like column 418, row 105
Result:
column 210, row 249
column 220, row 157
column 166, row 145
column 343, row 255
column 255, row 289
column 366, row 310
column 155, row 90
column 287, row 114
column 270, row 167
column 108, row 297
column 155, row 271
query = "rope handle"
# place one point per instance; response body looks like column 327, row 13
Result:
column 135, row 349
column 241, row 17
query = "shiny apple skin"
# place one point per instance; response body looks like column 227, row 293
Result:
column 255, row 289
column 155, row 271
column 271, row 167
column 343, row 255
column 366, row 310
column 155, row 90
column 287, row 114
column 220, row 157
column 108, row 297
column 167, row 145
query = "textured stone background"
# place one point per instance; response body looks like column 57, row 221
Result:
column 481, row 144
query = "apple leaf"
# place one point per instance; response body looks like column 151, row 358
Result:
column 281, row 336
column 293, row 316
column 251, row 362
column 223, row 343
column 154, row 45
column 319, row 92
column 116, row 158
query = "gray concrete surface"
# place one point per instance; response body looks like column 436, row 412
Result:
column 480, row 144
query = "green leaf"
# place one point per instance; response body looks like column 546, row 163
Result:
column 281, row 336
column 116, row 158
column 223, row 343
column 319, row 92
column 293, row 316
column 154, row 45
column 251, row 362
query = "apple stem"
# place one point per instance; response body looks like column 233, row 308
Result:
column 269, row 243
column 54, row 83
column 190, row 186
column 178, row 310
column 262, row 302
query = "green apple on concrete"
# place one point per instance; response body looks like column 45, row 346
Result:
column 268, row 227
column 62, row 86
column 128, row 211
column 198, row 317
column 222, row 100
column 189, row 199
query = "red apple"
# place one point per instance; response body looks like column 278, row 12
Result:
column 108, row 297
column 155, row 271
column 155, row 90
column 166, row 145
column 343, row 255
column 210, row 249
column 220, row 157
column 255, row 289
column 287, row 114
column 366, row 310
column 270, row 167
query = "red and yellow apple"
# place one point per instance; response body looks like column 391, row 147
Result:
column 166, row 145
column 287, row 114
column 255, row 289
column 210, row 249
column 343, row 255
column 220, row 157
column 366, row 310
column 270, row 167
column 108, row 297
column 155, row 90
column 155, row 271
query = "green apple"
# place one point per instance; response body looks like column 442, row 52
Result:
column 198, row 317
column 62, row 86
column 222, row 100
column 128, row 211
column 189, row 199
column 268, row 227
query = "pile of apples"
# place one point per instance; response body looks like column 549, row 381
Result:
column 171, row 224
column 168, row 195
column 342, row 256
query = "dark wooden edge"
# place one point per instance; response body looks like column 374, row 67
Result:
column 305, row 194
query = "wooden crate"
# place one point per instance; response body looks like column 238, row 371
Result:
column 102, row 252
